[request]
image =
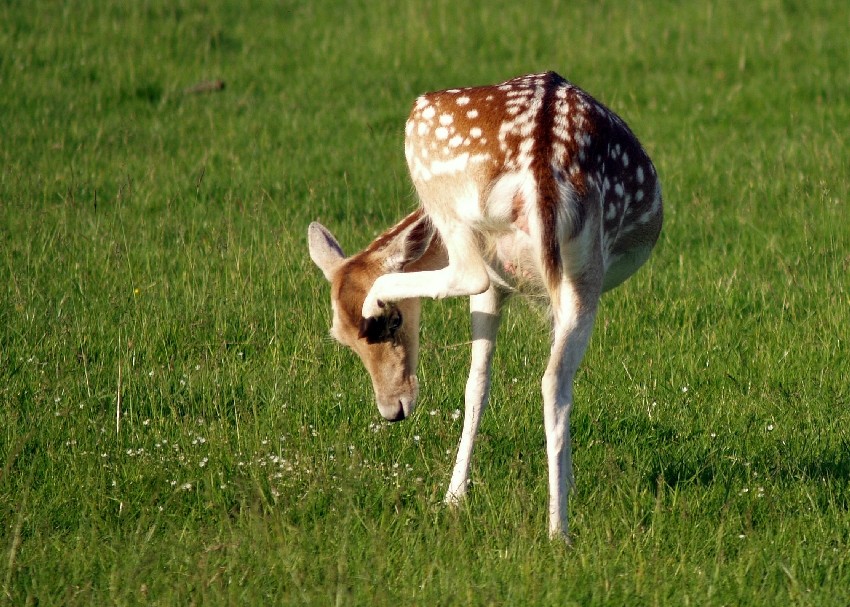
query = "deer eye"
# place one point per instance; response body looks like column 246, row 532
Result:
column 380, row 329
column 394, row 320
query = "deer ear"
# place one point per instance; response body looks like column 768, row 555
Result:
column 410, row 244
column 324, row 249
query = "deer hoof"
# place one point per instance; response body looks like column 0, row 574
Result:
column 373, row 308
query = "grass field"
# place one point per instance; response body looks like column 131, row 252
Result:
column 177, row 428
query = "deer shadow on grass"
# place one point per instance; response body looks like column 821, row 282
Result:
column 743, row 460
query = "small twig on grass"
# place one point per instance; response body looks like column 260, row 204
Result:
column 207, row 86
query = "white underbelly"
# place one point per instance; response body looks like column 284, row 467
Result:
column 513, row 264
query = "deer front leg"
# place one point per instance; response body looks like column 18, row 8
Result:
column 465, row 275
column 486, row 313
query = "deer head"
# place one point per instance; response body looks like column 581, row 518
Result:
column 387, row 345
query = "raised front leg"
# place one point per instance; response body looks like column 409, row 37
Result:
column 486, row 314
column 465, row 275
column 573, row 324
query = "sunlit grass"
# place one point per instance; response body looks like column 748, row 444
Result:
column 178, row 426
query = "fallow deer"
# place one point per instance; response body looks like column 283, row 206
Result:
column 530, row 186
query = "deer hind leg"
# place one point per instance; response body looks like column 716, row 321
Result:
column 574, row 303
column 486, row 310
column 573, row 323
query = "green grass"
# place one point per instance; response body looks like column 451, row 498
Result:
column 153, row 249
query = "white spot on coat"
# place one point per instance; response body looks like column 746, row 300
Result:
column 454, row 165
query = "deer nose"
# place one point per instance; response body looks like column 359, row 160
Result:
column 399, row 415
column 397, row 409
